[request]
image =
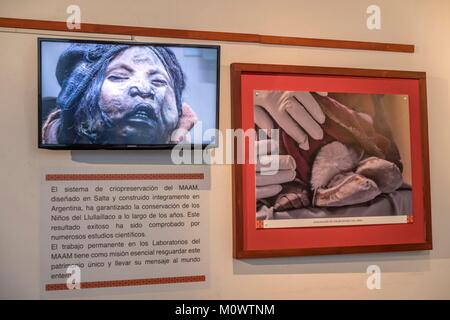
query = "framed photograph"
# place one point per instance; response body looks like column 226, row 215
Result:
column 335, row 161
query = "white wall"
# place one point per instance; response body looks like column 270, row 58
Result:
column 425, row 23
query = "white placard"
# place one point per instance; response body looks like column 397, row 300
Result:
column 124, row 228
column 342, row 221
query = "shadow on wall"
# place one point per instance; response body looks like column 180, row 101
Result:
column 137, row 157
column 388, row 262
column 125, row 157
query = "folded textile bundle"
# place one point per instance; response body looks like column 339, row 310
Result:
column 268, row 191
column 294, row 195
column 385, row 174
column 340, row 179
column 346, row 189
column 278, row 177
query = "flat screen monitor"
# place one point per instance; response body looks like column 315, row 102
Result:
column 127, row 95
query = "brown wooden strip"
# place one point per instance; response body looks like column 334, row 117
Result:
column 120, row 176
column 127, row 283
column 205, row 35
column 338, row 44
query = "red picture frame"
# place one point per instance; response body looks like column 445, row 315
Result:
column 250, row 241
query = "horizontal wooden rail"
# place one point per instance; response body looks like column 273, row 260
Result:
column 204, row 35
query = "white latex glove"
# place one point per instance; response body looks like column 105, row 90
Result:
column 264, row 150
column 263, row 120
column 297, row 113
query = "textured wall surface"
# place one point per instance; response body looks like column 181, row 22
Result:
column 405, row 275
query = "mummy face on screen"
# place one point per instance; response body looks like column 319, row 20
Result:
column 138, row 98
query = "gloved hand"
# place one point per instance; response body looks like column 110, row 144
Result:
column 267, row 184
column 187, row 120
column 297, row 113
column 265, row 146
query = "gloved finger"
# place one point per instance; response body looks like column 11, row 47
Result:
column 311, row 105
column 265, row 147
column 179, row 136
column 290, row 126
column 304, row 119
column 187, row 120
column 264, row 97
column 366, row 117
column 275, row 162
column 188, row 117
column 263, row 120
